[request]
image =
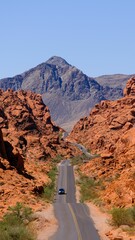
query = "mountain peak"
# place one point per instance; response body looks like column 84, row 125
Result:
column 55, row 60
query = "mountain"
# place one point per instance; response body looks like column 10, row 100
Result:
column 67, row 92
column 109, row 131
column 113, row 85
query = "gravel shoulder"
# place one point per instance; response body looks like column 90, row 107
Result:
column 45, row 223
column 100, row 220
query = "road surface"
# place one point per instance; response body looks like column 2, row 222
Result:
column 84, row 150
column 73, row 218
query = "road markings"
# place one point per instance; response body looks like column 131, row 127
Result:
column 65, row 197
column 75, row 221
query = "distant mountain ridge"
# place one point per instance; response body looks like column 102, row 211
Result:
column 68, row 92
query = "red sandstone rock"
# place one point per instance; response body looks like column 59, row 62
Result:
column 28, row 143
column 130, row 87
column 110, row 131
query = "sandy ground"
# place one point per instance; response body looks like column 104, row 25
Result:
column 45, row 224
column 100, row 220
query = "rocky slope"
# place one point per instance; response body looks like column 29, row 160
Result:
column 67, row 92
column 109, row 131
column 113, row 85
column 28, row 142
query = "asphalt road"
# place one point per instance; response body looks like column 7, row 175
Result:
column 73, row 218
column 84, row 150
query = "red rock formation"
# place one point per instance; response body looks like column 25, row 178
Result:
column 28, row 143
column 26, row 125
column 130, row 87
column 2, row 146
column 109, row 131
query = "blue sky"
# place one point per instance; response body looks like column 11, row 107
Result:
column 98, row 36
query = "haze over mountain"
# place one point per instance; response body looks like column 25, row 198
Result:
column 68, row 92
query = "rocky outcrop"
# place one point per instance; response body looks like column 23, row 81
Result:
column 2, row 146
column 28, row 142
column 24, row 114
column 28, row 117
column 109, row 131
column 130, row 87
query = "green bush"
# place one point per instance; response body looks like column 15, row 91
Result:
column 48, row 193
column 133, row 212
column 18, row 232
column 57, row 159
column 13, row 227
column 89, row 188
column 19, row 212
column 52, row 173
column 49, row 189
column 123, row 216
column 79, row 159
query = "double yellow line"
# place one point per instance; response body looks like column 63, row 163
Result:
column 75, row 222
column 65, row 184
column 72, row 212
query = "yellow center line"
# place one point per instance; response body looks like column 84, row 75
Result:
column 75, row 222
column 65, row 184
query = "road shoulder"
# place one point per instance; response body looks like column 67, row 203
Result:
column 45, row 223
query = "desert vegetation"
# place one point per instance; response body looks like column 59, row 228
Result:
column 79, row 159
column 15, row 223
column 123, row 216
column 49, row 189
column 89, row 188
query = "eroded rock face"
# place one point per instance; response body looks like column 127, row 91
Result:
column 130, row 87
column 2, row 146
column 28, row 142
column 110, row 131
column 26, row 122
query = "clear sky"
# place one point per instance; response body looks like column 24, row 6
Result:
column 96, row 36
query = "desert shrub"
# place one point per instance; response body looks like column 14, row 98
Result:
column 52, row 173
column 98, row 202
column 123, row 216
column 89, row 188
column 49, row 189
column 18, row 232
column 57, row 159
column 48, row 192
column 19, row 212
column 79, row 159
column 133, row 212
column 13, row 226
column 60, row 136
